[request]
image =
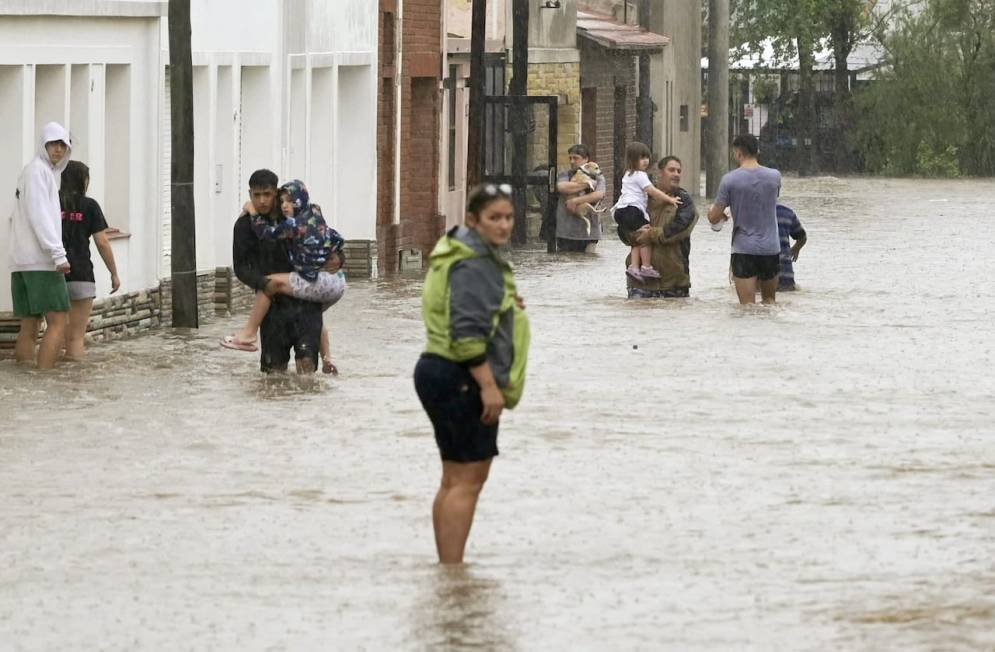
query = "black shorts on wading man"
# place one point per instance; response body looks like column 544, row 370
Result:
column 764, row 268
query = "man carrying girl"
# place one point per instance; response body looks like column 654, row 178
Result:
column 290, row 324
column 316, row 254
column 631, row 209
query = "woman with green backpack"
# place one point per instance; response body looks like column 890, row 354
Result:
column 474, row 364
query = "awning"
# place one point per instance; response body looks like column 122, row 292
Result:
column 609, row 33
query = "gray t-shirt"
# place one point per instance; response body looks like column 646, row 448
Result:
column 751, row 194
column 568, row 225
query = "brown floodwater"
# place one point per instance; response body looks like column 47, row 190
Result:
column 811, row 476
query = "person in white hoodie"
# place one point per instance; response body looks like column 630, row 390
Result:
column 37, row 257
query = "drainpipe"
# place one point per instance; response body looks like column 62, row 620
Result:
column 398, row 96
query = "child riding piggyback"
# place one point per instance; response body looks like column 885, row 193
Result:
column 315, row 254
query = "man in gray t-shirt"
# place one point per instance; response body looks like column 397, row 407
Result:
column 751, row 193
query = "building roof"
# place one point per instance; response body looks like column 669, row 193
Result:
column 78, row 8
column 609, row 33
column 864, row 57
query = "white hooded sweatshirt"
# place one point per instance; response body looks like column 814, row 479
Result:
column 36, row 224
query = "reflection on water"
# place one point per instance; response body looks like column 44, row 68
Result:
column 682, row 474
column 461, row 609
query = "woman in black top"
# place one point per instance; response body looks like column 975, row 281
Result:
column 82, row 218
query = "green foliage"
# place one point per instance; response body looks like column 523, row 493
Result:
column 931, row 163
column 784, row 23
column 765, row 88
column 930, row 111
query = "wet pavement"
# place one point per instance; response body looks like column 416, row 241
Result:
column 816, row 475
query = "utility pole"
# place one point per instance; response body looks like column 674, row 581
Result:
column 520, row 119
column 644, row 106
column 717, row 147
column 183, row 267
column 475, row 124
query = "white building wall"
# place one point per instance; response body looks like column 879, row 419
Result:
column 100, row 67
column 341, row 67
column 101, row 83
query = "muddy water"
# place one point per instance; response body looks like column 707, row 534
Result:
column 819, row 475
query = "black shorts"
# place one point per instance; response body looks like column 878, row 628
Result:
column 289, row 324
column 764, row 268
column 451, row 398
column 629, row 219
column 572, row 246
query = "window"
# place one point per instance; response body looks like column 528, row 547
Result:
column 451, row 85
column 117, row 145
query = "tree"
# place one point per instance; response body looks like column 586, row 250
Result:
column 929, row 110
column 845, row 21
column 799, row 32
column 717, row 143
column 792, row 34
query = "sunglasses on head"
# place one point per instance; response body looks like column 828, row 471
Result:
column 497, row 189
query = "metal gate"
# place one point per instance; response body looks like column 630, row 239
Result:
column 519, row 149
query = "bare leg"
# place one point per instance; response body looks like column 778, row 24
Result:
column 326, row 348
column 636, row 260
column 24, row 348
column 646, row 255
column 746, row 288
column 79, row 318
column 280, row 284
column 768, row 290
column 256, row 317
column 55, row 337
column 304, row 366
column 455, row 503
column 327, row 366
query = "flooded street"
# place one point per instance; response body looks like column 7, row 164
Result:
column 817, row 475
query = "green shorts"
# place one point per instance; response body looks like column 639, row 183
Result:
column 37, row 293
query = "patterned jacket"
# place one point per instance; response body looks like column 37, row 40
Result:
column 314, row 242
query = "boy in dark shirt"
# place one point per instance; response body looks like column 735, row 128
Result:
column 789, row 227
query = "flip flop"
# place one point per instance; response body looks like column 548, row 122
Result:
column 232, row 342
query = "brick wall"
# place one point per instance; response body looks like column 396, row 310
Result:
column 607, row 71
column 563, row 80
column 206, row 299
column 219, row 295
column 114, row 317
column 230, row 294
column 420, row 73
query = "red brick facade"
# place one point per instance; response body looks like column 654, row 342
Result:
column 420, row 70
column 608, row 77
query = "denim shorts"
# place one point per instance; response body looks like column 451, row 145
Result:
column 79, row 290
column 451, row 398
